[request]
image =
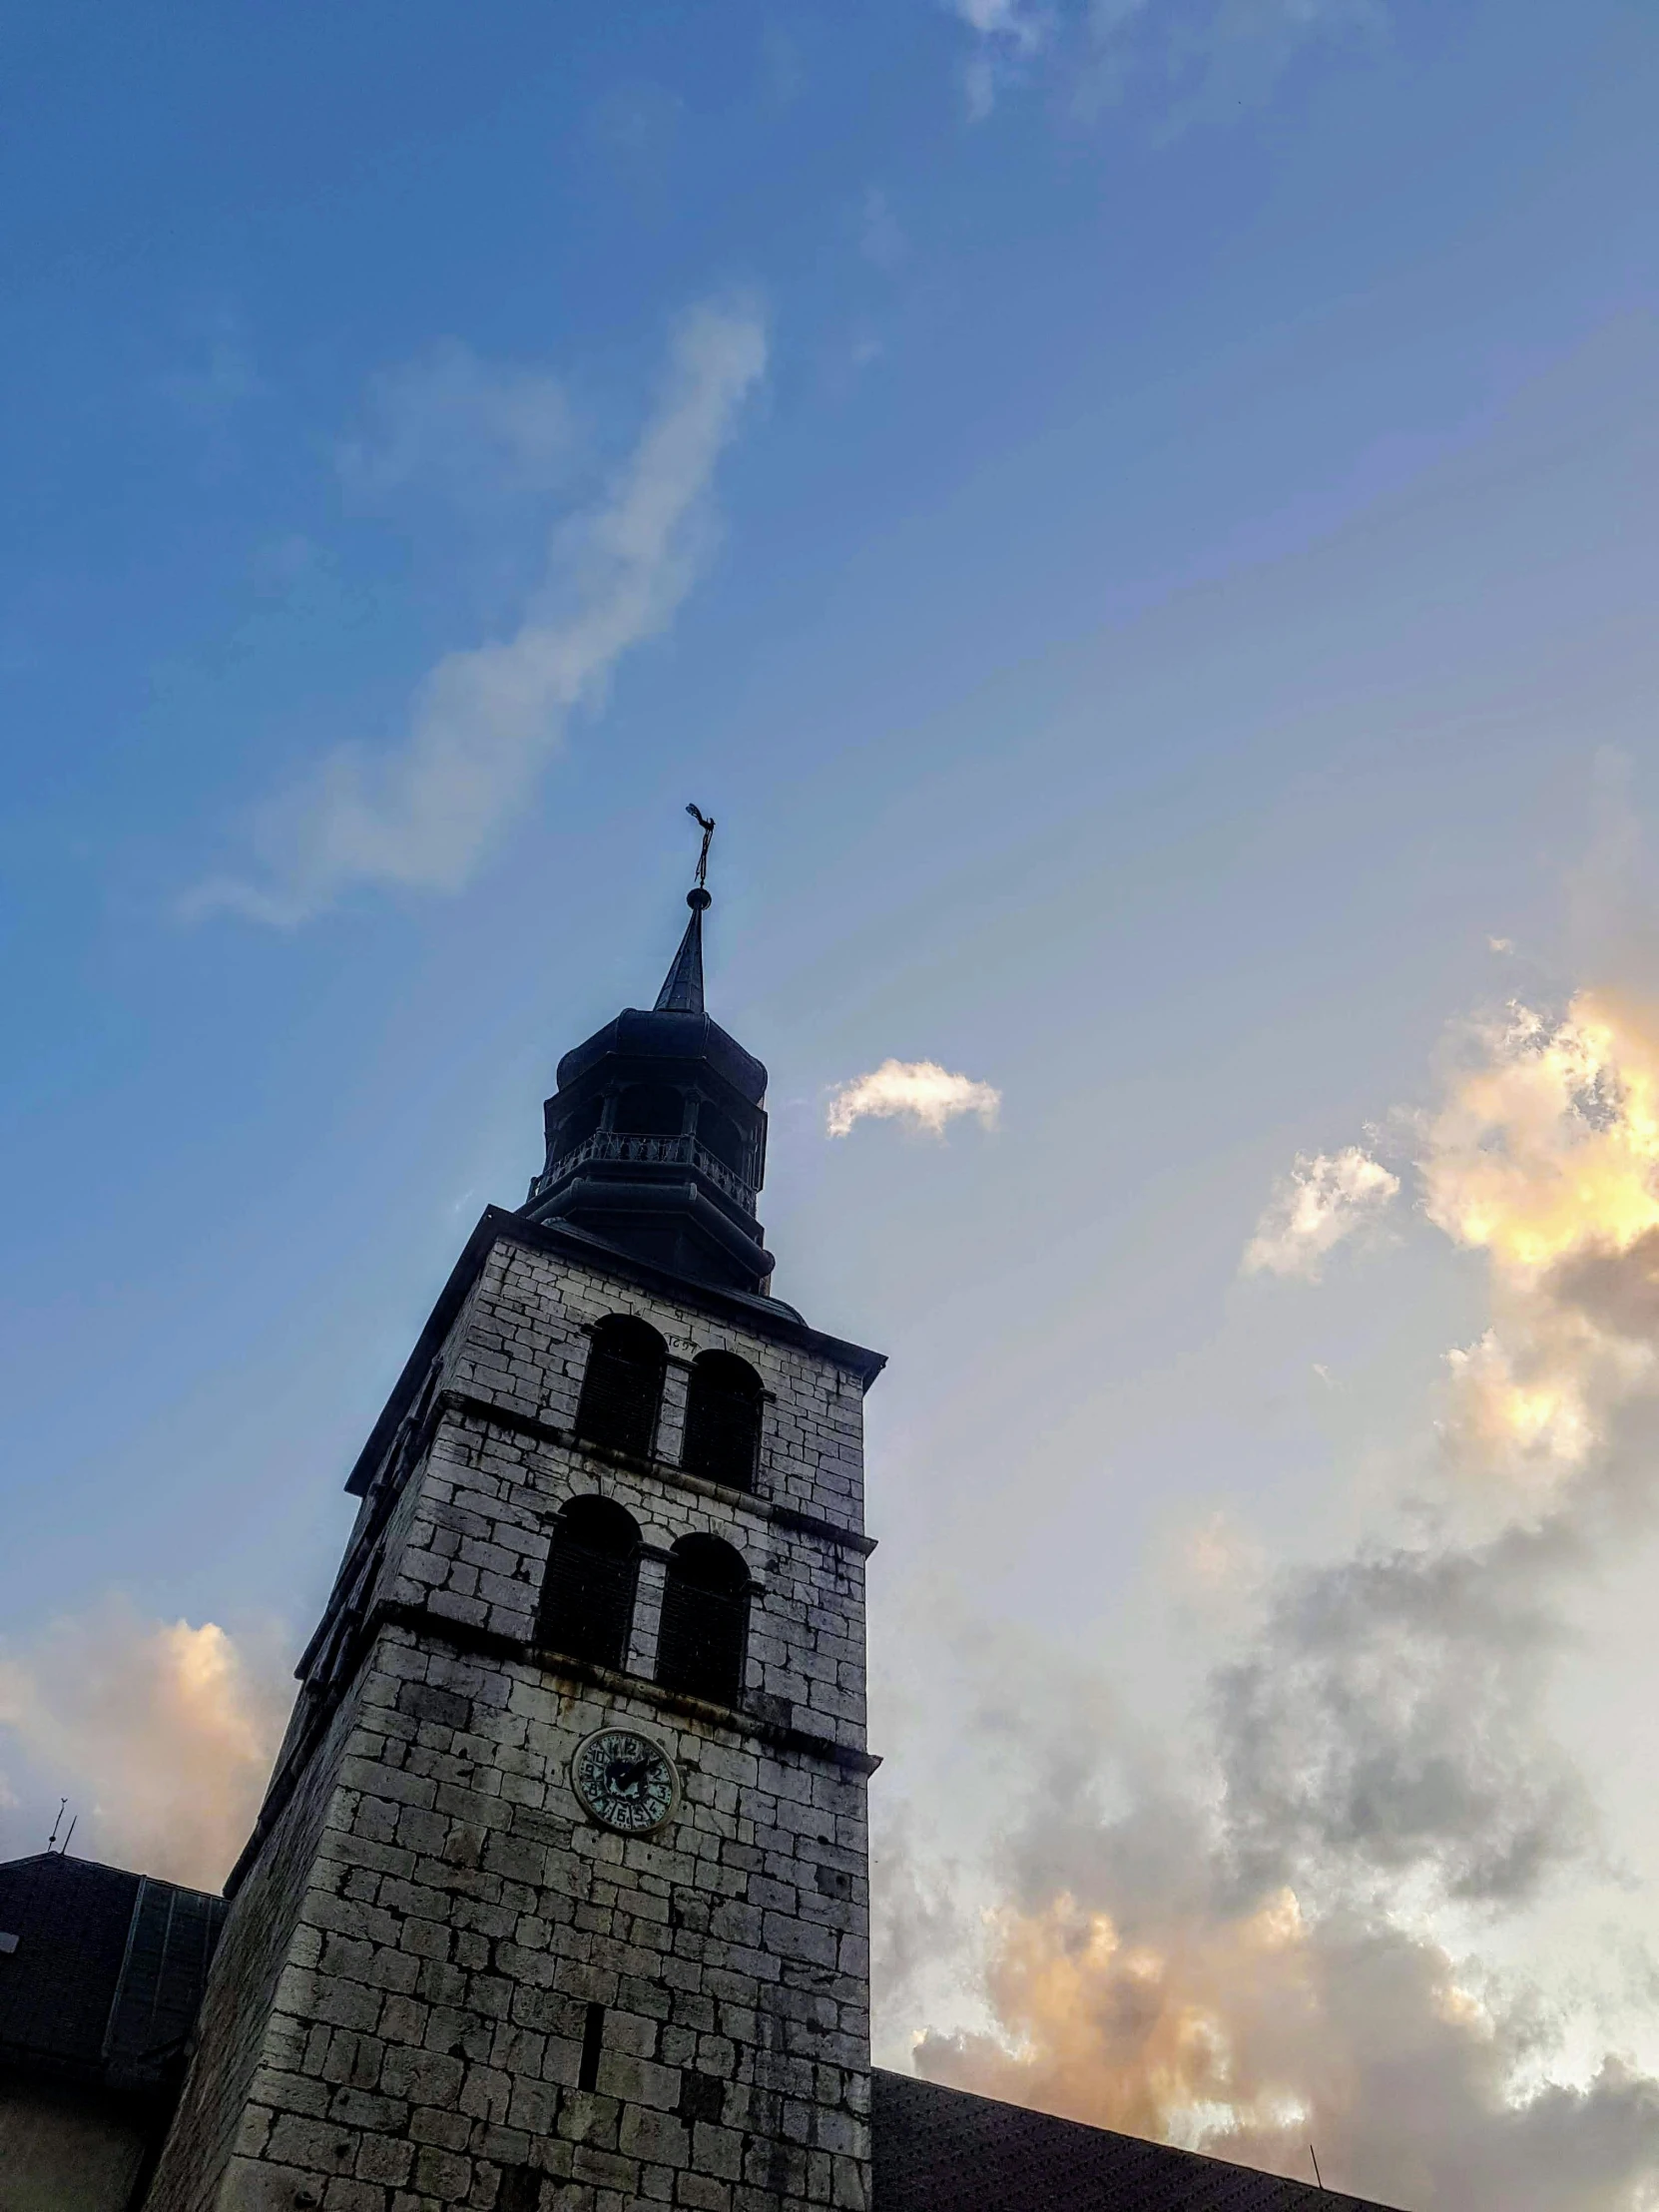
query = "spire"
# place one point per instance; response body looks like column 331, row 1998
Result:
column 657, row 1131
column 681, row 992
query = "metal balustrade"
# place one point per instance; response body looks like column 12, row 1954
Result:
column 681, row 1151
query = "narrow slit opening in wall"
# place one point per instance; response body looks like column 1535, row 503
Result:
column 593, row 2040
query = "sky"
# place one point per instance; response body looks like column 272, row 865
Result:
column 1137, row 517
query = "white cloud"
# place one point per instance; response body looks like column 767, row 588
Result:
column 917, row 1091
column 464, row 425
column 1322, row 1200
column 1009, row 19
column 486, row 719
column 1008, row 32
column 160, row 1733
column 1202, row 58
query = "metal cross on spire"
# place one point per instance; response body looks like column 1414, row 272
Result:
column 681, row 992
column 708, row 830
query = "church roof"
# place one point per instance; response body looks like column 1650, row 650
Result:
column 656, row 1134
column 943, row 2150
column 104, row 1971
column 678, row 1026
column 662, row 1034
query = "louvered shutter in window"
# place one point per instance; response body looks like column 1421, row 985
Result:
column 704, row 1621
column 723, row 1421
column 623, row 1386
column 586, row 1600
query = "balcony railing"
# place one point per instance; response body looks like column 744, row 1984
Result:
column 683, row 1151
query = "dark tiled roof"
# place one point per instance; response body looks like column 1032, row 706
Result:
column 108, row 1972
column 943, row 2150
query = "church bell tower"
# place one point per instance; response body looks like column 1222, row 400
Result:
column 558, row 1900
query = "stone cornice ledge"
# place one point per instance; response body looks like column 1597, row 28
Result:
column 495, row 1226
column 487, row 1643
column 491, row 1643
column 467, row 1403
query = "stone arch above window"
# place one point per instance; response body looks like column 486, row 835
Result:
column 622, row 1390
column 587, row 1595
column 703, row 1636
column 724, row 1398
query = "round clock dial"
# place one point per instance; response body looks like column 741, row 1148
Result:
column 625, row 1781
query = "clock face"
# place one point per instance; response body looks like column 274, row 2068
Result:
column 625, row 1781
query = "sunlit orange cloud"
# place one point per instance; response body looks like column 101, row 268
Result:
column 1251, row 2025
column 1543, row 1153
column 161, row 1735
column 1180, row 2036
column 1250, row 2036
column 1549, row 1144
column 1530, row 1421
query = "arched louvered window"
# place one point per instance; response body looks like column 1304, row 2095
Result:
column 704, row 1630
column 650, row 1110
column 623, row 1386
column 587, row 1599
column 723, row 1419
column 719, row 1133
column 577, row 1126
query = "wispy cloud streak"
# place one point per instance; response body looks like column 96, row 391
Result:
column 1190, row 59
column 487, row 718
column 467, row 428
column 1006, row 34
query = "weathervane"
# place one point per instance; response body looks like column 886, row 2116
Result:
column 708, row 830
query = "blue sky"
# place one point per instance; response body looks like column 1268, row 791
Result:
column 1139, row 521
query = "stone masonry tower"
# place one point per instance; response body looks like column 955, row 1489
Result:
column 559, row 1895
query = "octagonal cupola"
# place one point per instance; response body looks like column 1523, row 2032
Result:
column 656, row 1135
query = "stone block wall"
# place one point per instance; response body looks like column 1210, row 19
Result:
column 478, row 1529
column 235, row 2028
column 425, row 2042
column 434, row 1936
column 520, row 1343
